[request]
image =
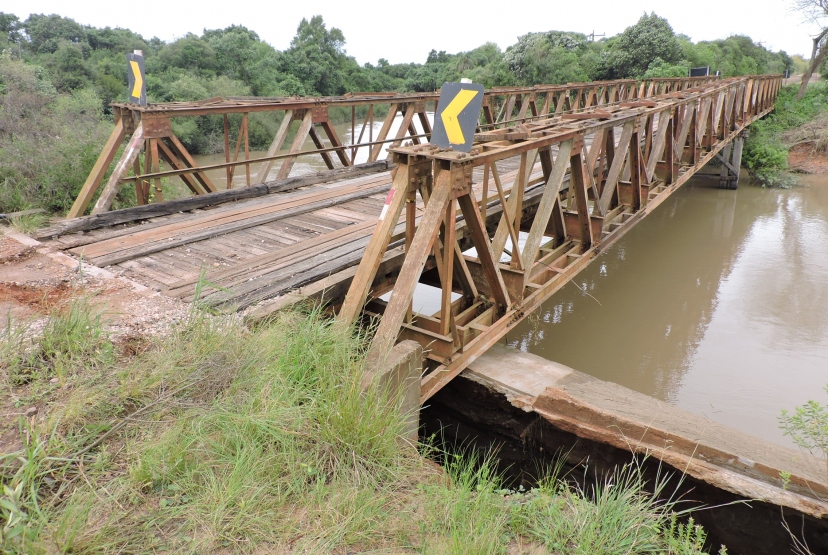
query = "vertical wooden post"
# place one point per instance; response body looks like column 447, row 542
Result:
column 578, row 181
column 245, row 123
column 156, row 167
column 140, row 195
column 484, row 203
column 448, row 240
column 228, row 171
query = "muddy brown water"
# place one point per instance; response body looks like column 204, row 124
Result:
column 717, row 303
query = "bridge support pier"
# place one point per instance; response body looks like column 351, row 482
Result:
column 731, row 159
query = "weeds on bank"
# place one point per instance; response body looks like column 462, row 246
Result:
column 766, row 149
column 27, row 223
column 73, row 338
column 224, row 439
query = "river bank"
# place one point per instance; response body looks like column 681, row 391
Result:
column 792, row 139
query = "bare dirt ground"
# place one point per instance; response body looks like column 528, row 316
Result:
column 36, row 282
column 804, row 158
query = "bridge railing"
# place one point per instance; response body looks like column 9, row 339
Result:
column 149, row 130
column 601, row 170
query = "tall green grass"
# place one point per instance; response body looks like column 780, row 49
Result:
column 229, row 440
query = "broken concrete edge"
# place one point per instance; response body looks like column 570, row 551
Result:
column 398, row 378
column 77, row 265
column 752, row 479
column 722, row 477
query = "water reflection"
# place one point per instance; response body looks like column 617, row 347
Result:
column 717, row 302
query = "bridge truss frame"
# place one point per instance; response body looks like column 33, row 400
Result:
column 640, row 152
column 149, row 129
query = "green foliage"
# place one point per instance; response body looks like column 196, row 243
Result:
column 241, row 440
column 808, row 427
column 660, row 68
column 632, row 52
column 48, row 142
column 766, row 152
column 553, row 57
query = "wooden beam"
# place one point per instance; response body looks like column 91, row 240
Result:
column 114, row 184
column 415, row 259
column 390, row 215
column 296, row 146
column 616, row 166
column 178, row 147
column 551, row 195
column 93, row 181
column 275, row 147
column 386, row 127
column 578, row 181
column 485, row 254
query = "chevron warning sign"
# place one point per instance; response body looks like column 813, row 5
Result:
column 135, row 77
column 457, row 113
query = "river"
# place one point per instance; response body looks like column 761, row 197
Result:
column 717, row 303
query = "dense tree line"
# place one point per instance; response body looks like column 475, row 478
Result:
column 57, row 70
column 235, row 61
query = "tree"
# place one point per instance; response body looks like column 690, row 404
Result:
column 46, row 32
column 632, row 52
column 551, row 57
column 317, row 57
column 10, row 28
column 816, row 12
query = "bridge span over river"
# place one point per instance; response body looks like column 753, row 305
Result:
column 441, row 250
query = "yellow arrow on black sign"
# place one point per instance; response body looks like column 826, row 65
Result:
column 135, row 76
column 457, row 113
column 451, row 113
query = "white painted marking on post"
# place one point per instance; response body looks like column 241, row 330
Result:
column 388, row 200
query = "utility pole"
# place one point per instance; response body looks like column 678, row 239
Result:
column 592, row 35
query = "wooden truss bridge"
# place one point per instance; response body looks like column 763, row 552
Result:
column 622, row 161
column 556, row 174
column 150, row 129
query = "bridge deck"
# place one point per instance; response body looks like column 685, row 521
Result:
column 253, row 249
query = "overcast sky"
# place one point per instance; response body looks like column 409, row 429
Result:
column 406, row 31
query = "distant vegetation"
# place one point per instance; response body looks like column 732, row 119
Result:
column 58, row 77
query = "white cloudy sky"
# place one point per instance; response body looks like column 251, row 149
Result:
column 406, row 31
